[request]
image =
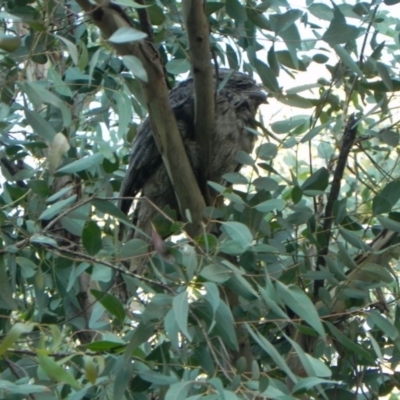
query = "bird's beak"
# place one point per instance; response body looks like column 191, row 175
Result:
column 258, row 95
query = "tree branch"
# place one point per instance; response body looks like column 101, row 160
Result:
column 144, row 20
column 347, row 143
column 165, row 130
column 198, row 32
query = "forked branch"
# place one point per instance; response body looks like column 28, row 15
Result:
column 165, row 130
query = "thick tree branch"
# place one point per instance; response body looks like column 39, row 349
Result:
column 165, row 130
column 144, row 20
column 347, row 143
column 198, row 33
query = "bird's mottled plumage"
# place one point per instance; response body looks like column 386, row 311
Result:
column 235, row 108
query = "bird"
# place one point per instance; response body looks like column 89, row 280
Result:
column 237, row 100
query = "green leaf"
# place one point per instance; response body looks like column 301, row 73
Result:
column 267, row 76
column 270, row 205
column 296, row 194
column 136, row 67
column 384, row 73
column 243, row 158
column 313, row 366
column 230, row 54
column 178, row 391
column 13, row 335
column 28, row 267
column 55, row 371
column 235, row 178
column 131, row 3
column 320, row 58
column 59, row 194
column 9, row 43
column 347, row 60
column 124, row 106
column 212, row 6
column 271, row 351
column 208, row 242
column 178, row 66
column 110, row 303
column 267, row 151
column 266, row 183
column 225, row 326
column 321, row 11
column 106, row 207
column 6, row 293
column 339, row 31
column 42, row 239
column 123, row 375
column 294, row 100
column 238, row 284
column 82, row 164
column 300, row 215
column 212, row 295
column 257, row 18
column 384, row 201
column 287, row 125
column 235, row 10
column 104, row 345
column 377, row 272
column 91, row 238
column 187, row 258
column 383, row 323
column 389, row 224
column 90, row 370
column 157, row 378
column 308, row 383
column 354, row 239
column 38, row 94
column 134, row 248
column 391, row 2
column 273, row 60
column 72, row 49
column 172, row 329
column 312, row 133
column 40, row 126
column 239, row 233
column 126, row 34
column 379, row 86
column 269, row 296
column 354, row 348
column 180, row 305
column 345, row 257
column 22, row 389
column 60, row 86
column 57, row 208
column 389, row 137
column 216, row 273
column 319, row 181
column 285, row 20
column 301, row 304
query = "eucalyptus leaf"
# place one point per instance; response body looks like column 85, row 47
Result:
column 180, row 305
column 126, row 34
column 300, row 303
column 317, row 181
column 82, row 164
column 110, row 303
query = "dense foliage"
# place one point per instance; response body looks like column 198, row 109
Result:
column 296, row 298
